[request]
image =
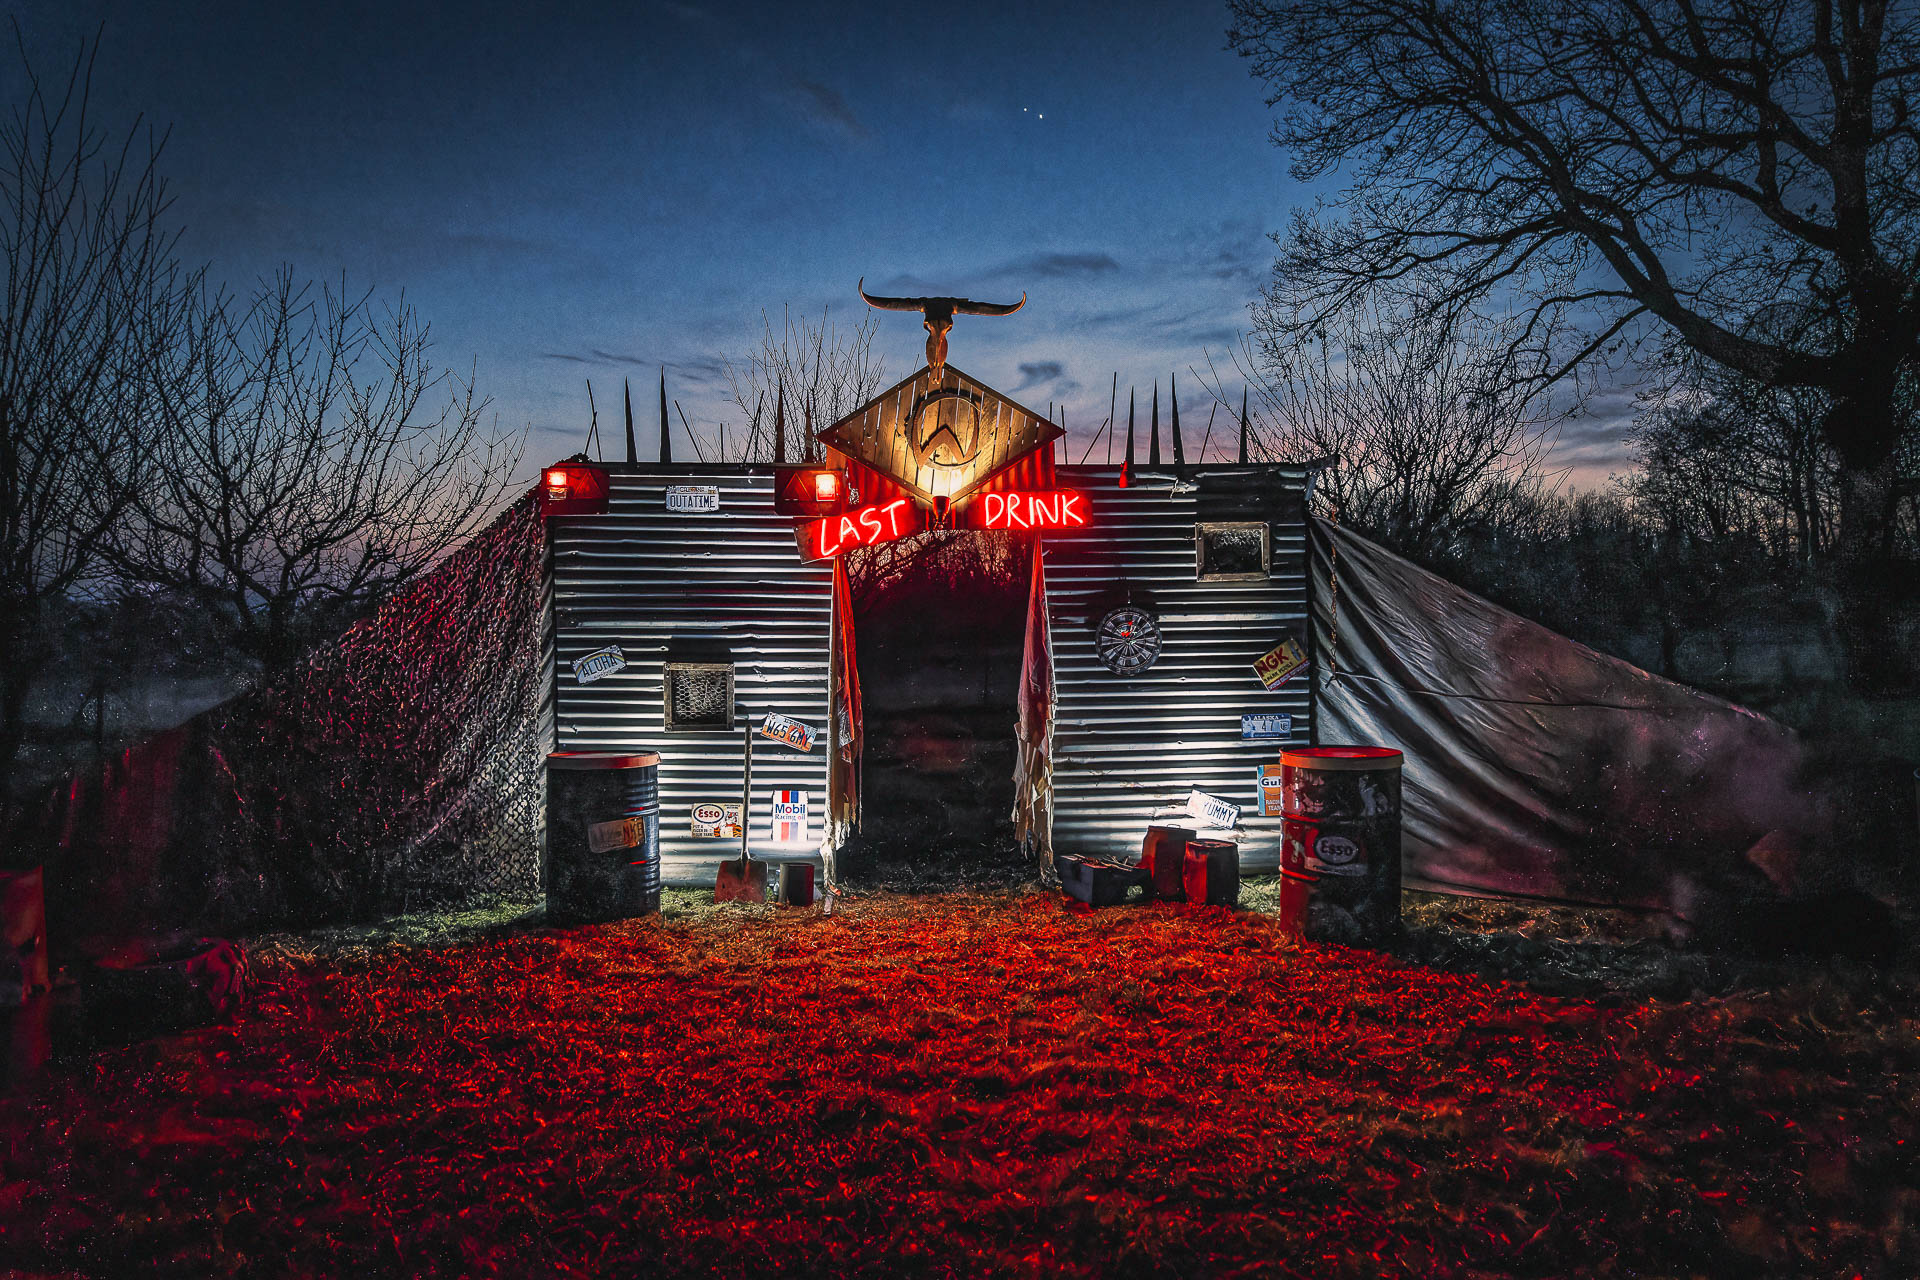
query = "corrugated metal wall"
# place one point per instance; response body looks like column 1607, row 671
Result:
column 731, row 580
column 1125, row 747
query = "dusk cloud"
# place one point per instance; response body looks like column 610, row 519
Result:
column 1053, row 266
column 824, row 106
column 1039, row 372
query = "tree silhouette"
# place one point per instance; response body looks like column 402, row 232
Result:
column 1628, row 169
column 92, row 300
column 313, row 462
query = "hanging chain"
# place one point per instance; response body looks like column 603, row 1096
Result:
column 1333, row 576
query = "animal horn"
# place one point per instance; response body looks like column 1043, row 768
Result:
column 890, row 304
column 967, row 308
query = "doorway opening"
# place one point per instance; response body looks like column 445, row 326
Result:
column 939, row 625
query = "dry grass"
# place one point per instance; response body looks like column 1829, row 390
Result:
column 974, row 1084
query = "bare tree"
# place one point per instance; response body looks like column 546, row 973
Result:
column 93, row 295
column 799, row 381
column 314, row 461
column 1734, row 455
column 957, row 562
column 1632, row 168
column 1431, row 432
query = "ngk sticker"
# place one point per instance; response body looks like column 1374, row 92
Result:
column 1280, row 662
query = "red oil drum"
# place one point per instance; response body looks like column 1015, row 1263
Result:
column 1340, row 843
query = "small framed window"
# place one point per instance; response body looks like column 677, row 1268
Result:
column 699, row 695
column 1237, row 552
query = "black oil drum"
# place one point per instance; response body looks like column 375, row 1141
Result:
column 1340, row 843
column 603, row 835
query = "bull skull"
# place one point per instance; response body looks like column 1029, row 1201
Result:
column 939, row 313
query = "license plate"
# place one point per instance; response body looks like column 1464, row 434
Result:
column 601, row 662
column 1266, row 725
column 788, row 730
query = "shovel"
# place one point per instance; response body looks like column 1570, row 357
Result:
column 745, row 880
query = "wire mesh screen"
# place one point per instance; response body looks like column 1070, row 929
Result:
column 1232, row 551
column 397, row 767
column 699, row 695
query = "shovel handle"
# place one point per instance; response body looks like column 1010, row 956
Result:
column 746, row 794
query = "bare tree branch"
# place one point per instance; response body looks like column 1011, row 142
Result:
column 814, row 372
column 314, row 461
column 92, row 300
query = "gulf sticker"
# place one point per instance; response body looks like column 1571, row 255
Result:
column 1270, row 806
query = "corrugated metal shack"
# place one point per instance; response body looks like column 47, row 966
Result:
column 720, row 621
column 1128, row 748
column 698, row 590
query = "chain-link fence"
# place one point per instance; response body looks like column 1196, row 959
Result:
column 397, row 767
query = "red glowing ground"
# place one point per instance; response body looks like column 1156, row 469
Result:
column 957, row 1086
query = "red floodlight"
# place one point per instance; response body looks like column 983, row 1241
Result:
column 811, row 491
column 573, row 489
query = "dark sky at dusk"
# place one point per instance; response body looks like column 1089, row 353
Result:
column 590, row 191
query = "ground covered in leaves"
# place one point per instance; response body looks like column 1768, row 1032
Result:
column 995, row 1083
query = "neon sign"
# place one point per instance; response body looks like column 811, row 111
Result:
column 1057, row 509
column 865, row 527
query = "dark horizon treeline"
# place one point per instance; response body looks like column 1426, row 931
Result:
column 1712, row 562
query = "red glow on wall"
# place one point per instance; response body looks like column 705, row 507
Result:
column 811, row 491
column 865, row 527
column 1058, row 509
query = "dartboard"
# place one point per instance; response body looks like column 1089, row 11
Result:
column 1128, row 640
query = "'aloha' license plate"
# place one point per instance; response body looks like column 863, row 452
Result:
column 601, row 662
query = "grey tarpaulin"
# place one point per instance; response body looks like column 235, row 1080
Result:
column 1536, row 766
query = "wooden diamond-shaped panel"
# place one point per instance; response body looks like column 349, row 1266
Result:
column 940, row 440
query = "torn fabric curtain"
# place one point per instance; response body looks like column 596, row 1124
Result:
column 1536, row 766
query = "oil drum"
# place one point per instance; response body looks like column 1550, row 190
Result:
column 1340, row 843
column 603, row 835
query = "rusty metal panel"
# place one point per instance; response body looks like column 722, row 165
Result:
column 695, row 584
column 1125, row 748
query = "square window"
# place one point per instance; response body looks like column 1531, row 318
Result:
column 1232, row 552
column 699, row 695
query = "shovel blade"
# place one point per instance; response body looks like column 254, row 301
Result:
column 738, row 884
